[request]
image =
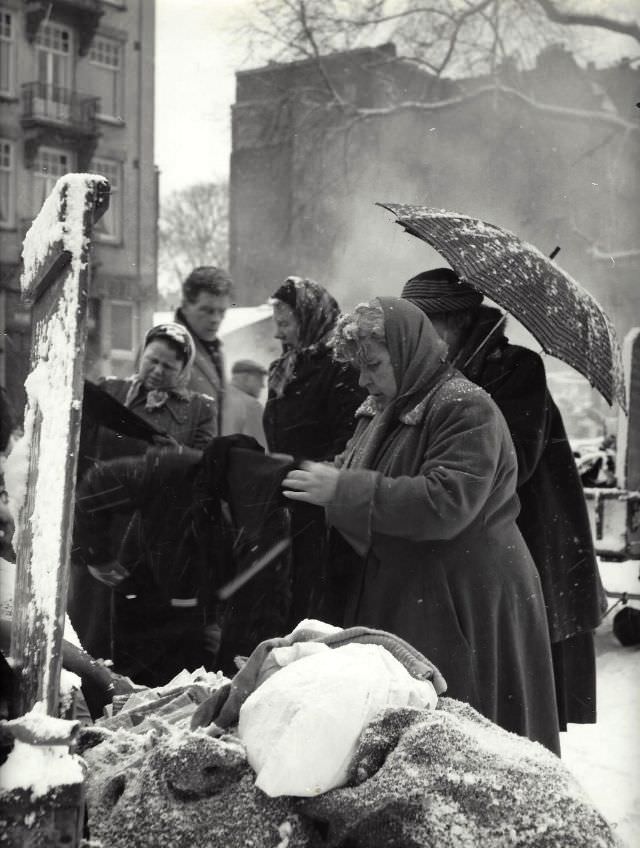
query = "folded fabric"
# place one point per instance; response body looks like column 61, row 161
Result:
column 300, row 728
column 223, row 708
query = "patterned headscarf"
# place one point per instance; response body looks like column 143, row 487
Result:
column 177, row 336
column 316, row 313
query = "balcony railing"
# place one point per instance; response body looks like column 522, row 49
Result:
column 60, row 107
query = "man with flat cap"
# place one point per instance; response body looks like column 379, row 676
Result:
column 243, row 411
column 553, row 517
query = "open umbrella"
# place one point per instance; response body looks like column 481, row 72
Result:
column 564, row 318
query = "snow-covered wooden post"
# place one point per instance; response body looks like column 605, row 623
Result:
column 55, row 281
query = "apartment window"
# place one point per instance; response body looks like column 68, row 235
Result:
column 7, row 57
column 122, row 328
column 54, row 51
column 49, row 165
column 109, row 227
column 7, row 184
column 105, row 68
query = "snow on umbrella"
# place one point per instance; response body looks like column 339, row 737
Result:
column 564, row 318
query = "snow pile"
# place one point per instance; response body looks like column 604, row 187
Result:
column 40, row 760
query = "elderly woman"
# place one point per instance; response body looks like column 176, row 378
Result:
column 425, row 493
column 309, row 414
column 158, row 393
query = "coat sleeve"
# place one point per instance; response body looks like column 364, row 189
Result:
column 343, row 398
column 117, row 486
column 205, row 421
column 460, row 468
column 523, row 398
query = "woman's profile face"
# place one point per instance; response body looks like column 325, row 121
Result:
column 287, row 329
column 160, row 366
column 376, row 373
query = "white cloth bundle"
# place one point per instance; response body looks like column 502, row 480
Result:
column 301, row 726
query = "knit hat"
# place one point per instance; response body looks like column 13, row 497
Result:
column 440, row 290
column 247, row 366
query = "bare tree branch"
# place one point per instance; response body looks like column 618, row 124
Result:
column 554, row 14
column 192, row 230
column 563, row 112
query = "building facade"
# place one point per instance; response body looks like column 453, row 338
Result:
column 76, row 95
column 551, row 153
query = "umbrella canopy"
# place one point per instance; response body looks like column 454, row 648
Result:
column 564, row 318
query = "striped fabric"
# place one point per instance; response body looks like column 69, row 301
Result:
column 433, row 296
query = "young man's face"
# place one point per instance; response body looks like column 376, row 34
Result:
column 205, row 314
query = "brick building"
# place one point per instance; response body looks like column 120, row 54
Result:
column 76, row 94
column 552, row 153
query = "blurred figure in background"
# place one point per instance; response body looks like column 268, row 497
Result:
column 553, row 518
column 206, row 296
column 242, row 410
column 309, row 414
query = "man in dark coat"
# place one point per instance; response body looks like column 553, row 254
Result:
column 553, row 517
column 206, row 296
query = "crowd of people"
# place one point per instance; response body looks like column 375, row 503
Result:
column 418, row 466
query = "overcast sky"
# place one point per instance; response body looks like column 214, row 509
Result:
column 199, row 49
column 197, row 54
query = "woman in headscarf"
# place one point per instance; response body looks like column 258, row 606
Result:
column 309, row 414
column 553, row 515
column 157, row 393
column 425, row 493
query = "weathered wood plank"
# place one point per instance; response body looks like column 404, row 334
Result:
column 56, row 282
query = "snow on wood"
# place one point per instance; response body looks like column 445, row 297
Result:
column 56, row 258
column 61, row 220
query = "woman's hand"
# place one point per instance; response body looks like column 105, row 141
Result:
column 314, row 483
column 110, row 573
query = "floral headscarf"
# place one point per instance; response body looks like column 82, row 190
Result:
column 316, row 313
column 177, row 335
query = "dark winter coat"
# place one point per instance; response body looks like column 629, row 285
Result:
column 445, row 566
column 189, row 417
column 553, row 517
column 313, row 419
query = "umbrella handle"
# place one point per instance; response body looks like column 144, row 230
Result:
column 485, row 339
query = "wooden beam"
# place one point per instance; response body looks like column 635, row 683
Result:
column 56, row 282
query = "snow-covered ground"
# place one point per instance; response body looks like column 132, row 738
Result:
column 605, row 757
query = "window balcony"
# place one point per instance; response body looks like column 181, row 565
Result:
column 59, row 117
column 83, row 15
